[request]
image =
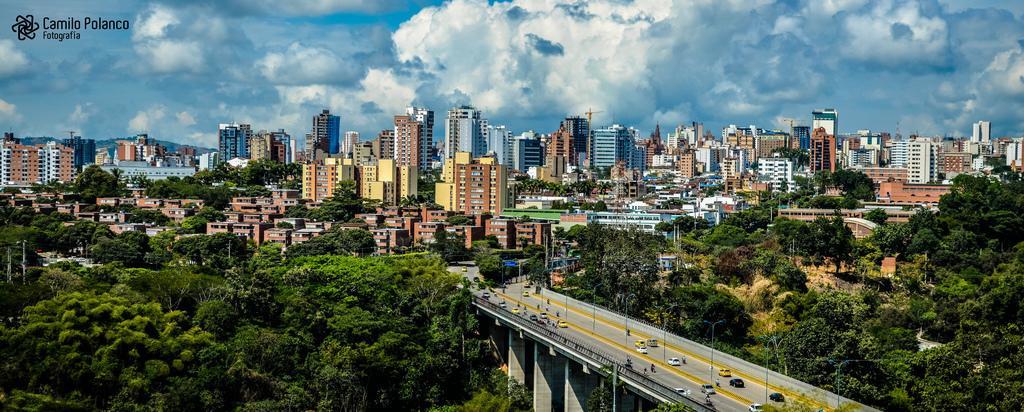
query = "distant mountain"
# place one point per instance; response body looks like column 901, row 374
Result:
column 111, row 144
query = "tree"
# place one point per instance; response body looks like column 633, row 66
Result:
column 877, row 215
column 129, row 248
column 342, row 206
column 451, row 247
column 194, row 224
column 94, row 182
column 833, row 240
column 336, row 241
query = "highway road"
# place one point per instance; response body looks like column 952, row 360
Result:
column 608, row 335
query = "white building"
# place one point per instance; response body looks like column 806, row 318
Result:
column 1014, row 153
column 499, row 142
column 349, row 143
column 131, row 169
column 981, row 132
column 922, row 158
column 465, row 131
column 898, row 153
column 208, row 161
column 778, row 171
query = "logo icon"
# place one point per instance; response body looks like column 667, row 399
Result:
column 25, row 26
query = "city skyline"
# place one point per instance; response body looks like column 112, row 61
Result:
column 932, row 67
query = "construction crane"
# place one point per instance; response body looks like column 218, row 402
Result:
column 590, row 117
column 789, row 144
column 71, row 133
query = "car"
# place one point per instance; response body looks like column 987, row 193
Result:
column 682, row 391
column 652, row 343
column 464, row 269
column 640, row 344
column 486, row 295
column 707, row 389
column 755, row 407
column 543, row 315
column 502, row 304
column 515, row 310
column 526, row 293
column 725, row 373
column 563, row 324
column 737, row 383
column 776, row 397
column 674, row 361
column 533, row 318
column 641, row 349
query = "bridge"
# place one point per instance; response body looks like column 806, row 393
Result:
column 563, row 365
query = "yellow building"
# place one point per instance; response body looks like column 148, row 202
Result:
column 472, row 186
column 387, row 182
column 319, row 179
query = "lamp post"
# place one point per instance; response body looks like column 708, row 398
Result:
column 766, row 339
column 713, row 324
column 839, row 373
column 593, row 307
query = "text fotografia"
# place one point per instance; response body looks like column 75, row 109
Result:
column 71, row 28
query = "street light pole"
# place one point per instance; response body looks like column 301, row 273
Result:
column 713, row 324
column 839, row 373
column 773, row 339
column 664, row 334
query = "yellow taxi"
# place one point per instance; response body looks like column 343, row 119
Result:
column 563, row 324
column 515, row 310
column 640, row 344
column 526, row 293
column 464, row 269
column 724, row 373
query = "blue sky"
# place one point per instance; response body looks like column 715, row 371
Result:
column 925, row 66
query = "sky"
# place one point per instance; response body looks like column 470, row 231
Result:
column 931, row 67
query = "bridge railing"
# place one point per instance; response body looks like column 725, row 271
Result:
column 656, row 331
column 645, row 382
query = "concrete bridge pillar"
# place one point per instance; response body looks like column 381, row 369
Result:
column 499, row 342
column 548, row 373
column 628, row 401
column 516, row 356
column 578, row 385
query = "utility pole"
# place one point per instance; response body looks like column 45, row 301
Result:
column 24, row 263
column 8, row 264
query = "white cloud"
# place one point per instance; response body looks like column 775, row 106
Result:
column 81, row 114
column 9, row 112
column 185, row 119
column 897, row 34
column 14, row 61
column 154, row 24
column 299, row 64
column 144, row 120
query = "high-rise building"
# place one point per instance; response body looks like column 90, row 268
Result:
column 23, row 165
column 384, row 144
column 465, row 131
column 500, row 143
column 687, row 163
column 823, row 150
column 802, row 137
column 981, row 132
column 408, row 148
column 348, row 143
column 778, row 171
column 324, row 139
column 472, row 186
column 898, row 152
column 610, row 145
column 922, row 158
column 560, row 144
column 826, row 118
column 269, row 146
column 321, row 178
column 578, row 128
column 387, row 181
column 233, row 141
column 426, row 118
column 527, row 151
column 85, row 150
column 103, row 157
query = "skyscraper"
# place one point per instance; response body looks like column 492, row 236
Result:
column 324, row 139
column 472, row 186
column 823, row 151
column 802, row 135
column 981, row 132
column 465, row 131
column 85, row 150
column 408, row 148
column 578, row 128
column 610, row 145
column 826, row 118
column 233, row 141
column 499, row 142
column 384, row 145
column 349, row 143
column 426, row 118
column 922, row 158
column 527, row 151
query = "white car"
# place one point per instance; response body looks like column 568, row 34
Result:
column 502, row 304
column 755, row 407
column 707, row 389
column 486, row 295
column 674, row 361
column 642, row 349
column 682, row 391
